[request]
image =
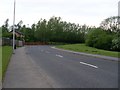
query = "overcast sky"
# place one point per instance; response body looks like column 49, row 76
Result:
column 90, row 12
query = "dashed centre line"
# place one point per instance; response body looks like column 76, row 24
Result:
column 89, row 64
column 47, row 52
column 59, row 56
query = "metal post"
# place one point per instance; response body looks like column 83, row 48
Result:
column 14, row 27
column 119, row 8
column 119, row 15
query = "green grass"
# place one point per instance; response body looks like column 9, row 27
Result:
column 86, row 49
column 0, row 62
column 6, row 55
column 56, row 43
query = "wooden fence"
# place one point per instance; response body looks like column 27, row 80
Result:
column 7, row 41
column 36, row 43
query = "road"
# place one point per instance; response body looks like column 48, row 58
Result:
column 46, row 67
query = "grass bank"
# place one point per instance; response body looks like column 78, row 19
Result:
column 87, row 49
column 6, row 55
column 0, row 62
column 57, row 43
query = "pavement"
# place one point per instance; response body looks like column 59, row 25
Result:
column 24, row 73
column 47, row 67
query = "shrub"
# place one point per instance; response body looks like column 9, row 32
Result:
column 116, row 43
column 103, row 42
column 99, row 38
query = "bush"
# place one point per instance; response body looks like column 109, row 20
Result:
column 116, row 43
column 100, row 39
column 103, row 42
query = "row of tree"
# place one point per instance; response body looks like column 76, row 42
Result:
column 56, row 30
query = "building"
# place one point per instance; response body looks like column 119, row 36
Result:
column 18, row 34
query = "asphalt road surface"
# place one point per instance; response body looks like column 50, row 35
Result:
column 46, row 67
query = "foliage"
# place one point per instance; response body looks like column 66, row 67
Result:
column 5, row 30
column 55, row 30
column 99, row 38
column 87, row 49
column 111, row 24
column 107, row 36
column 116, row 42
column 0, row 63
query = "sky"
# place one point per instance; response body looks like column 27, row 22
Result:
column 89, row 12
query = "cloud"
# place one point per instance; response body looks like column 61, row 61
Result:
column 91, row 12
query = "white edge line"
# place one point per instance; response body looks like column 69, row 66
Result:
column 59, row 55
column 92, row 55
column 52, row 47
column 89, row 64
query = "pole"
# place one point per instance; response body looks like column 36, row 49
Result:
column 119, row 8
column 14, row 27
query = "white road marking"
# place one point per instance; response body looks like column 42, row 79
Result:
column 47, row 52
column 89, row 64
column 41, row 50
column 59, row 55
column 52, row 47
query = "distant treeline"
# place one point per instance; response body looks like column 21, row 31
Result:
column 56, row 30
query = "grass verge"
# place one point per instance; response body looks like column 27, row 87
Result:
column 0, row 63
column 6, row 55
column 56, row 43
column 87, row 49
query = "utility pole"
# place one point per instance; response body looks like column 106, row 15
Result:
column 119, row 8
column 14, row 27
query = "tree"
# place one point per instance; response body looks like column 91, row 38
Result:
column 18, row 26
column 5, row 30
column 116, row 42
column 111, row 24
column 56, row 30
column 40, row 32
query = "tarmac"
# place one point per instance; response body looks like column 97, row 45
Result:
column 21, row 58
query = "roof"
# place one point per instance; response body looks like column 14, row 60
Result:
column 17, row 32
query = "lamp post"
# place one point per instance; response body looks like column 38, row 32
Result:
column 119, row 8
column 14, row 27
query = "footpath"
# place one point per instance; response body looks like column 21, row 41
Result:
column 23, row 72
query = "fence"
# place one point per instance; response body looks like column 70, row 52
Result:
column 8, row 41
column 36, row 43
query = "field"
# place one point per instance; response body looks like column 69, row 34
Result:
column 6, row 55
column 86, row 49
